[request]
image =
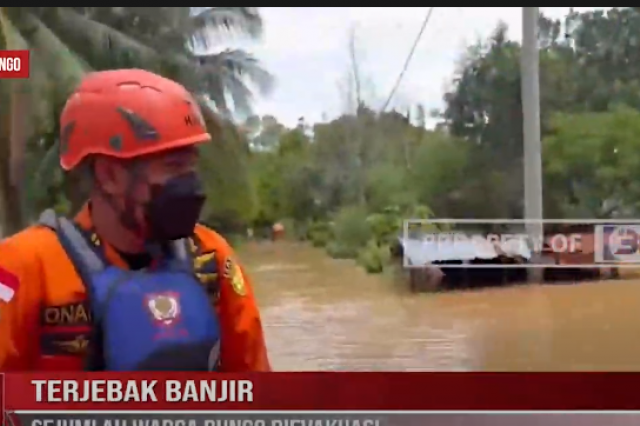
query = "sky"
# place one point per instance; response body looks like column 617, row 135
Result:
column 306, row 49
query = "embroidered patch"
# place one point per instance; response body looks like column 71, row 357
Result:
column 228, row 268
column 164, row 307
column 204, row 262
column 233, row 273
column 205, row 266
column 65, row 329
column 71, row 315
column 52, row 344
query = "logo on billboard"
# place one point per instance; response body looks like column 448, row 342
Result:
column 618, row 243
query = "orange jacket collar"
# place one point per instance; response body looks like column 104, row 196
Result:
column 84, row 220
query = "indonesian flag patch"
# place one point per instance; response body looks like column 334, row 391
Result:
column 9, row 284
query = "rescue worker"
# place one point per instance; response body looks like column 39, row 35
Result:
column 133, row 282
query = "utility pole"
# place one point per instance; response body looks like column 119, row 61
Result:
column 529, row 68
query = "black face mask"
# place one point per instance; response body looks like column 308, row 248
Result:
column 174, row 208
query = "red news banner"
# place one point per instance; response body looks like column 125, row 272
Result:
column 14, row 64
column 320, row 391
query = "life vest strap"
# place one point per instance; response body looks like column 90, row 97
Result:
column 83, row 254
column 181, row 251
column 85, row 260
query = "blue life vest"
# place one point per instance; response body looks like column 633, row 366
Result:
column 160, row 318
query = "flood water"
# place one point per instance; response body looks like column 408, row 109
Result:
column 326, row 314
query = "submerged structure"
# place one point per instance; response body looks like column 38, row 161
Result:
column 441, row 263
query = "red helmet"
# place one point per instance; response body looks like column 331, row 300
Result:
column 126, row 114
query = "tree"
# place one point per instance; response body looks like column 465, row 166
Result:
column 66, row 42
column 588, row 63
column 485, row 110
column 591, row 164
column 606, row 49
column 225, row 172
column 288, row 181
column 266, row 132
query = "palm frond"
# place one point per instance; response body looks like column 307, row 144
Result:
column 206, row 22
column 215, row 90
column 214, row 124
column 49, row 163
column 12, row 39
column 55, row 58
column 101, row 45
column 239, row 93
column 233, row 71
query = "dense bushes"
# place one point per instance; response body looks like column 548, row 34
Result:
column 355, row 233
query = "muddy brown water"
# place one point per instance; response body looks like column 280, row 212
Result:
column 326, row 314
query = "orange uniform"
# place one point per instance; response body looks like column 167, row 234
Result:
column 46, row 323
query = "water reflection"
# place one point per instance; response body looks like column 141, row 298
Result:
column 324, row 314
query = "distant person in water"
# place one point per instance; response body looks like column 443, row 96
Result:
column 277, row 231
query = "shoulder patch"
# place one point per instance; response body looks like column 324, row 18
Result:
column 65, row 329
column 205, row 262
column 75, row 344
column 228, row 268
column 69, row 315
column 205, row 266
column 233, row 273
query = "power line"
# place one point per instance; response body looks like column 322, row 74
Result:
column 406, row 63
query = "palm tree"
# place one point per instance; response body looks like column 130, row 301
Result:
column 67, row 42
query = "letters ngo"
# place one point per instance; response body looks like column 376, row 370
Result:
column 14, row 64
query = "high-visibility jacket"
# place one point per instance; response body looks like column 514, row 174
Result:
column 45, row 324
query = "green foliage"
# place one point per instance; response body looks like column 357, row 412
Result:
column 356, row 180
column 374, row 258
column 360, row 175
column 589, row 67
column 384, row 226
column 592, row 167
column 340, row 250
column 320, row 233
column 346, row 184
column 350, row 227
column 389, row 184
column 224, row 170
